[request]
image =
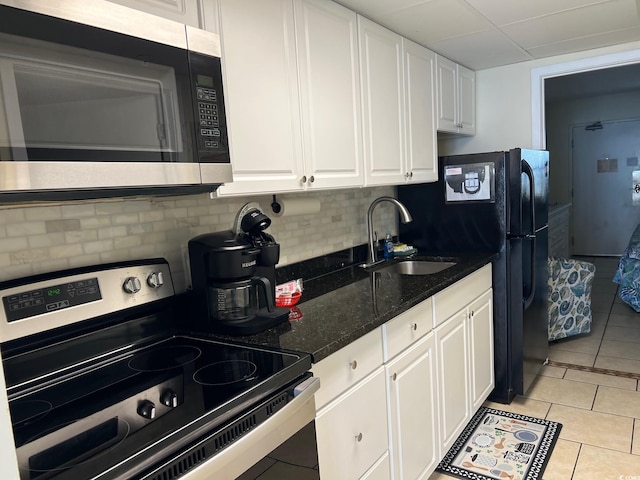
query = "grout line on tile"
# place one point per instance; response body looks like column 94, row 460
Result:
column 605, row 371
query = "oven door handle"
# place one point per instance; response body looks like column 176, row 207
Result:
column 254, row 446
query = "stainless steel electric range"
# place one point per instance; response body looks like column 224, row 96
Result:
column 104, row 382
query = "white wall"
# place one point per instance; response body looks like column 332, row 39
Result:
column 560, row 118
column 504, row 107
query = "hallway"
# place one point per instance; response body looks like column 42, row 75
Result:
column 614, row 341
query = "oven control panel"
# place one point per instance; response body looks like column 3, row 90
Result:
column 44, row 302
column 56, row 297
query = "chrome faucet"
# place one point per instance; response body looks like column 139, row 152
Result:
column 405, row 217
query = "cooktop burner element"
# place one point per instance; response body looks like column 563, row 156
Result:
column 224, row 373
column 164, row 358
column 55, row 461
column 28, row 411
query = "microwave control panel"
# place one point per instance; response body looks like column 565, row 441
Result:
column 208, row 116
column 208, row 102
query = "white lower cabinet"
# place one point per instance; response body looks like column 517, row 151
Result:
column 352, row 431
column 392, row 403
column 464, row 346
column 413, row 411
column 480, row 321
column 453, row 372
column 380, row 469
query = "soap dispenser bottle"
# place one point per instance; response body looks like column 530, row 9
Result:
column 388, row 246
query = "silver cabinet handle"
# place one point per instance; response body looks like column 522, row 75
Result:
column 359, row 437
column 304, row 179
column 354, row 365
column 312, row 179
column 414, row 326
column 394, row 377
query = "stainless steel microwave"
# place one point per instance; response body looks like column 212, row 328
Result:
column 97, row 100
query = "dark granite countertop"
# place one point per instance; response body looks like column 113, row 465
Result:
column 339, row 307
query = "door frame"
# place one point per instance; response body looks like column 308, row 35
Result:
column 540, row 74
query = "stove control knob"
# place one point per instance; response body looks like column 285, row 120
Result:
column 132, row 285
column 169, row 399
column 147, row 409
column 155, row 280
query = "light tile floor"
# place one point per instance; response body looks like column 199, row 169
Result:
column 600, row 413
column 600, row 416
column 614, row 341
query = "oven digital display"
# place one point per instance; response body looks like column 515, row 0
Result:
column 49, row 299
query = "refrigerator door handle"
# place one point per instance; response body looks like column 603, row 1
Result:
column 529, row 298
column 528, row 171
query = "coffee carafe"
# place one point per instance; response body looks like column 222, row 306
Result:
column 233, row 276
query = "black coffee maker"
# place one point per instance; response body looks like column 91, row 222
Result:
column 233, row 276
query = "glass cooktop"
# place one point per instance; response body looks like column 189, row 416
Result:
column 152, row 399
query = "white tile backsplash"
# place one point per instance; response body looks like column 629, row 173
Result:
column 43, row 237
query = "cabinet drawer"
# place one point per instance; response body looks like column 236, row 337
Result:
column 344, row 368
column 401, row 331
column 461, row 293
column 380, row 471
column 352, row 430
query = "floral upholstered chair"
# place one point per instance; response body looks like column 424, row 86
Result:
column 570, row 284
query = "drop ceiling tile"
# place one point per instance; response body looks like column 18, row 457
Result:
column 481, row 50
column 586, row 43
column 436, row 20
column 372, row 8
column 500, row 12
column 578, row 23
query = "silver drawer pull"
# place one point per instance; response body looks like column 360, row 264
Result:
column 359, row 437
column 354, row 365
column 394, row 377
column 414, row 326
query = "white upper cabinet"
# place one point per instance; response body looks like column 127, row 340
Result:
column 327, row 42
column 456, row 99
column 261, row 95
column 292, row 95
column 183, row 11
column 421, row 143
column 398, row 111
column 382, row 88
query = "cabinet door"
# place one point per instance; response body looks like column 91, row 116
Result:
column 411, row 380
column 261, row 95
column 447, row 98
column 381, row 73
column 466, row 100
column 183, row 11
column 481, row 345
column 419, row 75
column 327, row 45
column 451, row 348
column 352, row 430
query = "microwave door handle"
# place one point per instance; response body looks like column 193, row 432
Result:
column 528, row 171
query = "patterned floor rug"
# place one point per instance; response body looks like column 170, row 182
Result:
column 501, row 445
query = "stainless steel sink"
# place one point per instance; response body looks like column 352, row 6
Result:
column 415, row 267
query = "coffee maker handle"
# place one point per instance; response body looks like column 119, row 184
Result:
column 265, row 285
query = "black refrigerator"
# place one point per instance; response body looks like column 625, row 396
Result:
column 494, row 202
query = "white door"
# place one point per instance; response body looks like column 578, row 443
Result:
column 604, row 160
